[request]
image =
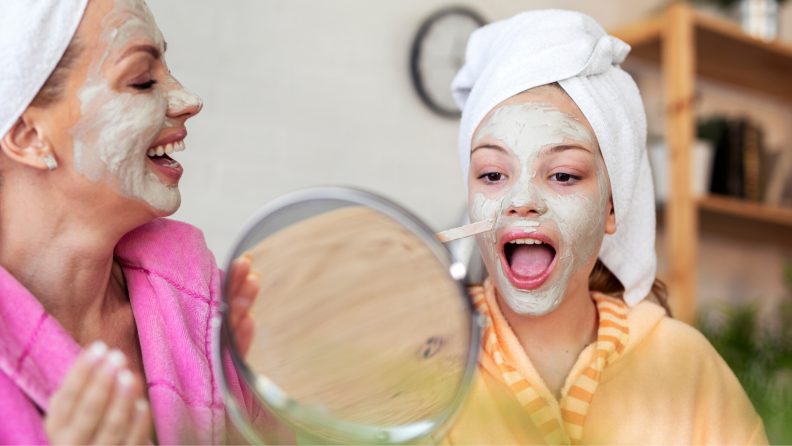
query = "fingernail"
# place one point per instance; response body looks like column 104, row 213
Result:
column 247, row 258
column 254, row 275
column 115, row 360
column 141, row 405
column 96, row 351
column 125, row 379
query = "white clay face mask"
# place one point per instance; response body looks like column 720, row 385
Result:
column 116, row 129
column 532, row 258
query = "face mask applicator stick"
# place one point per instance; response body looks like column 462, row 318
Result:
column 465, row 231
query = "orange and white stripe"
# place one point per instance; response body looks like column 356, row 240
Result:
column 612, row 337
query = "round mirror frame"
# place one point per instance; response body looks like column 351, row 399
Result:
column 313, row 425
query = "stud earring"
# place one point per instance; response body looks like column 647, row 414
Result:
column 49, row 160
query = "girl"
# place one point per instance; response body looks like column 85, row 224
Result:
column 552, row 146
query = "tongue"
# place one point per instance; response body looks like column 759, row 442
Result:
column 163, row 160
column 531, row 260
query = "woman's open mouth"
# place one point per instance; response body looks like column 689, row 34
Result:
column 159, row 155
column 527, row 258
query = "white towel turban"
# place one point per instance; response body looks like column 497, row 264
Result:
column 34, row 34
column 541, row 47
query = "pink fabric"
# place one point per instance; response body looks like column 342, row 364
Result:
column 175, row 291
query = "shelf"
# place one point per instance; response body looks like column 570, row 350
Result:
column 740, row 221
column 688, row 45
column 723, row 52
column 746, row 209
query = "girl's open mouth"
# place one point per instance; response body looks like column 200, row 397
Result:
column 527, row 258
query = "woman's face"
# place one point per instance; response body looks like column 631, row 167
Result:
column 536, row 171
column 124, row 112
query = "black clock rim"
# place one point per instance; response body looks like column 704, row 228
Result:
column 415, row 53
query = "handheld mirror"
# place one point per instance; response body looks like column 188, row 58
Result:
column 363, row 333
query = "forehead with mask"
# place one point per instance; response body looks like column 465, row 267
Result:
column 537, row 173
column 114, row 135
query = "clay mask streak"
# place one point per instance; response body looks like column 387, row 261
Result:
column 116, row 129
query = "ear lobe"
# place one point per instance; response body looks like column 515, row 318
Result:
column 610, row 222
column 24, row 144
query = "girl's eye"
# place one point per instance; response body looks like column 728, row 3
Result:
column 492, row 177
column 563, row 177
column 144, row 85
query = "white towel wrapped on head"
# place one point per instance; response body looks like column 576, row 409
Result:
column 34, row 34
column 541, row 47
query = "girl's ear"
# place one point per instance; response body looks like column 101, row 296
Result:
column 610, row 222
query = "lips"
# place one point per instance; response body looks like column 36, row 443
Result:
column 159, row 155
column 527, row 258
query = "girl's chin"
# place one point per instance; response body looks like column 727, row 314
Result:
column 537, row 303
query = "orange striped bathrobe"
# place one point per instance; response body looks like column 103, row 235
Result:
column 648, row 379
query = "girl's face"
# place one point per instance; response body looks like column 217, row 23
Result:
column 124, row 111
column 536, row 171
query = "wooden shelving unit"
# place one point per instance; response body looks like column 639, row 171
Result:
column 686, row 45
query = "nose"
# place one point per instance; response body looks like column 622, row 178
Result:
column 529, row 209
column 525, row 201
column 183, row 104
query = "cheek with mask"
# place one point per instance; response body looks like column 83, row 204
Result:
column 113, row 137
column 532, row 255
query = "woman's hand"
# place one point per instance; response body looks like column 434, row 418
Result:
column 243, row 287
column 99, row 402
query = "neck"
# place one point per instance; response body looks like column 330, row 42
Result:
column 62, row 252
column 554, row 341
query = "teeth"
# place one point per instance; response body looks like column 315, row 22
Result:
column 171, row 148
column 526, row 241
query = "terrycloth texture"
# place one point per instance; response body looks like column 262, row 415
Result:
column 668, row 386
column 559, row 423
column 34, row 34
column 541, row 47
column 174, row 288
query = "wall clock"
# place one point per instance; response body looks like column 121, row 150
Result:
column 438, row 53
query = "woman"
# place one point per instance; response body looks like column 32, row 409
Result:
column 106, row 308
column 552, row 144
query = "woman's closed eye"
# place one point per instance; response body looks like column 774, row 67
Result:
column 144, row 85
column 492, row 177
column 564, row 178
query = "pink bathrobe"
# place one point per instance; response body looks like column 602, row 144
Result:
column 174, row 288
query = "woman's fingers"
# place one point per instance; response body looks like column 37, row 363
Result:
column 243, row 332
column 117, row 423
column 239, row 270
column 64, row 400
column 141, row 426
column 242, row 301
column 90, row 409
column 243, row 287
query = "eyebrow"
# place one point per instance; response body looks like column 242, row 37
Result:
column 150, row 49
column 562, row 148
column 489, row 146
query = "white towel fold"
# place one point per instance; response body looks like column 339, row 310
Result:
column 34, row 34
column 540, row 47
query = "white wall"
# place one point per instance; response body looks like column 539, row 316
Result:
column 303, row 93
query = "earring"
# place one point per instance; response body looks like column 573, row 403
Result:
column 50, row 161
